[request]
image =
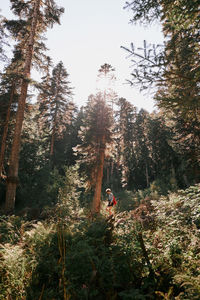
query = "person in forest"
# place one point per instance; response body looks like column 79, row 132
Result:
column 111, row 200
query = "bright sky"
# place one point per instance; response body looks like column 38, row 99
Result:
column 90, row 34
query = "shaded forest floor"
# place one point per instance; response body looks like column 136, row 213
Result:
column 151, row 252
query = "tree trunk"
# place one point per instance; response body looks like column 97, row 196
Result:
column 51, row 161
column 108, row 174
column 99, row 177
column 5, row 130
column 147, row 174
column 54, row 122
column 12, row 179
column 186, row 180
column 52, row 142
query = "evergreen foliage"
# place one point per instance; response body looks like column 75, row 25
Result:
column 98, row 123
column 96, row 135
column 174, row 68
column 3, row 41
column 34, row 18
column 147, row 11
column 55, row 104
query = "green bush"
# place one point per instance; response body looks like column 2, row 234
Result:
column 69, row 256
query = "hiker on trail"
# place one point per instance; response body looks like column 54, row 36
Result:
column 111, row 200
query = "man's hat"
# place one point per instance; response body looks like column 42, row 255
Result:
column 108, row 190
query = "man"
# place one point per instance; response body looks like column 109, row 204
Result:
column 110, row 200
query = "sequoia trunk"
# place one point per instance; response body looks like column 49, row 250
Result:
column 99, row 177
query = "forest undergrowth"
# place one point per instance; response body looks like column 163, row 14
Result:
column 151, row 252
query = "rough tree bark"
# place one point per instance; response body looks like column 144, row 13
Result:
column 12, row 179
column 52, row 141
column 5, row 130
column 99, row 176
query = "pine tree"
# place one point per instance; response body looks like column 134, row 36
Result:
column 186, row 141
column 37, row 16
column 56, row 114
column 61, row 106
column 181, row 91
column 64, row 154
column 141, row 171
column 106, row 80
column 96, row 135
column 44, row 107
column 175, row 67
column 164, row 160
column 9, row 95
column 126, row 116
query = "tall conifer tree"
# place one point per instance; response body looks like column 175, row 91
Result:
column 106, row 79
column 96, row 135
column 55, row 104
column 37, row 16
column 126, row 116
column 61, row 106
column 8, row 95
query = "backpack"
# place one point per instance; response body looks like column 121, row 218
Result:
column 114, row 200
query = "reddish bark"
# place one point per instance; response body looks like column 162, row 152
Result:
column 12, row 179
column 99, row 176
